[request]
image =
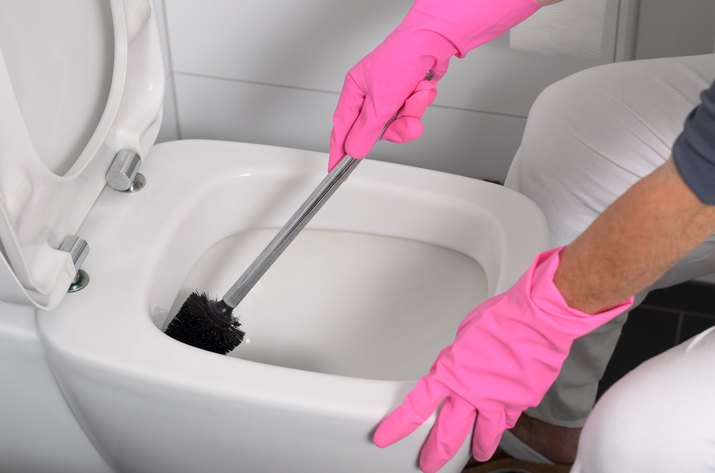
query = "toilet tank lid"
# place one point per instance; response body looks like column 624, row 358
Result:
column 44, row 195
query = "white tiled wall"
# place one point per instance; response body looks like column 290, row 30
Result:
column 169, row 127
column 270, row 71
column 302, row 118
column 668, row 28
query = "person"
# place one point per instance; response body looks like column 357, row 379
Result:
column 621, row 159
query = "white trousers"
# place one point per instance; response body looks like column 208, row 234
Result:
column 588, row 138
column 659, row 418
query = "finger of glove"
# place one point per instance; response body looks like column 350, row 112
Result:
column 408, row 124
column 512, row 417
column 416, row 408
column 350, row 103
column 337, row 150
column 450, row 430
column 386, row 96
column 488, row 429
column 439, row 69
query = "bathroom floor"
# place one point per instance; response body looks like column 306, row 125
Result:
column 667, row 317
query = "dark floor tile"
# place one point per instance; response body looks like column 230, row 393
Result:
column 687, row 297
column 648, row 332
column 693, row 325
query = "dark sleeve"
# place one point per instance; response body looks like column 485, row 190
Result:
column 694, row 150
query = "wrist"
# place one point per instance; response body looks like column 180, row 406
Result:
column 549, row 296
column 575, row 289
column 426, row 34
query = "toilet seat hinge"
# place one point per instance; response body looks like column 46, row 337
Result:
column 123, row 174
column 78, row 249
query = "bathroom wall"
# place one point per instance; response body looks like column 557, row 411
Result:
column 667, row 28
column 170, row 124
column 270, row 71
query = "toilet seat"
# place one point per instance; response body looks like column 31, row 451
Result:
column 39, row 208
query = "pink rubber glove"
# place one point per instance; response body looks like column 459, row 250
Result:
column 393, row 74
column 506, row 354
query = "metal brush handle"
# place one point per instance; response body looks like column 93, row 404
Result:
column 290, row 230
column 297, row 222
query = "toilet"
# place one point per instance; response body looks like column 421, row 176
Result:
column 338, row 330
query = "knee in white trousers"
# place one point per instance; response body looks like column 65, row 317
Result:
column 658, row 418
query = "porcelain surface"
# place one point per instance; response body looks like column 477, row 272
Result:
column 309, row 388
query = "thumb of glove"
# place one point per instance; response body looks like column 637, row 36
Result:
column 407, row 126
column 488, row 429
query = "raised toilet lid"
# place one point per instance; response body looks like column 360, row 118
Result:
column 80, row 80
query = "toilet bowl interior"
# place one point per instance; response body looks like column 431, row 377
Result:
column 345, row 303
column 373, row 288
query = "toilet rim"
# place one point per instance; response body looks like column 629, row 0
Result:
column 156, row 358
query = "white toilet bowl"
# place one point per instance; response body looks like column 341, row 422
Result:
column 339, row 329
column 331, row 357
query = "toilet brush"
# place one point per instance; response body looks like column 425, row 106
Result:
column 209, row 324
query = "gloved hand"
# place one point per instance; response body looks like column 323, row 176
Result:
column 506, row 354
column 394, row 73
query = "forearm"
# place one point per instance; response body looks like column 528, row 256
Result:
column 634, row 241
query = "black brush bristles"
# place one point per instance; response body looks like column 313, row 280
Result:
column 206, row 324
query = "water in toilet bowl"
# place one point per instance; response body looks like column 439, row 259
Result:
column 345, row 303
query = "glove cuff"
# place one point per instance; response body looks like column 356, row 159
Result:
column 469, row 23
column 547, row 298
